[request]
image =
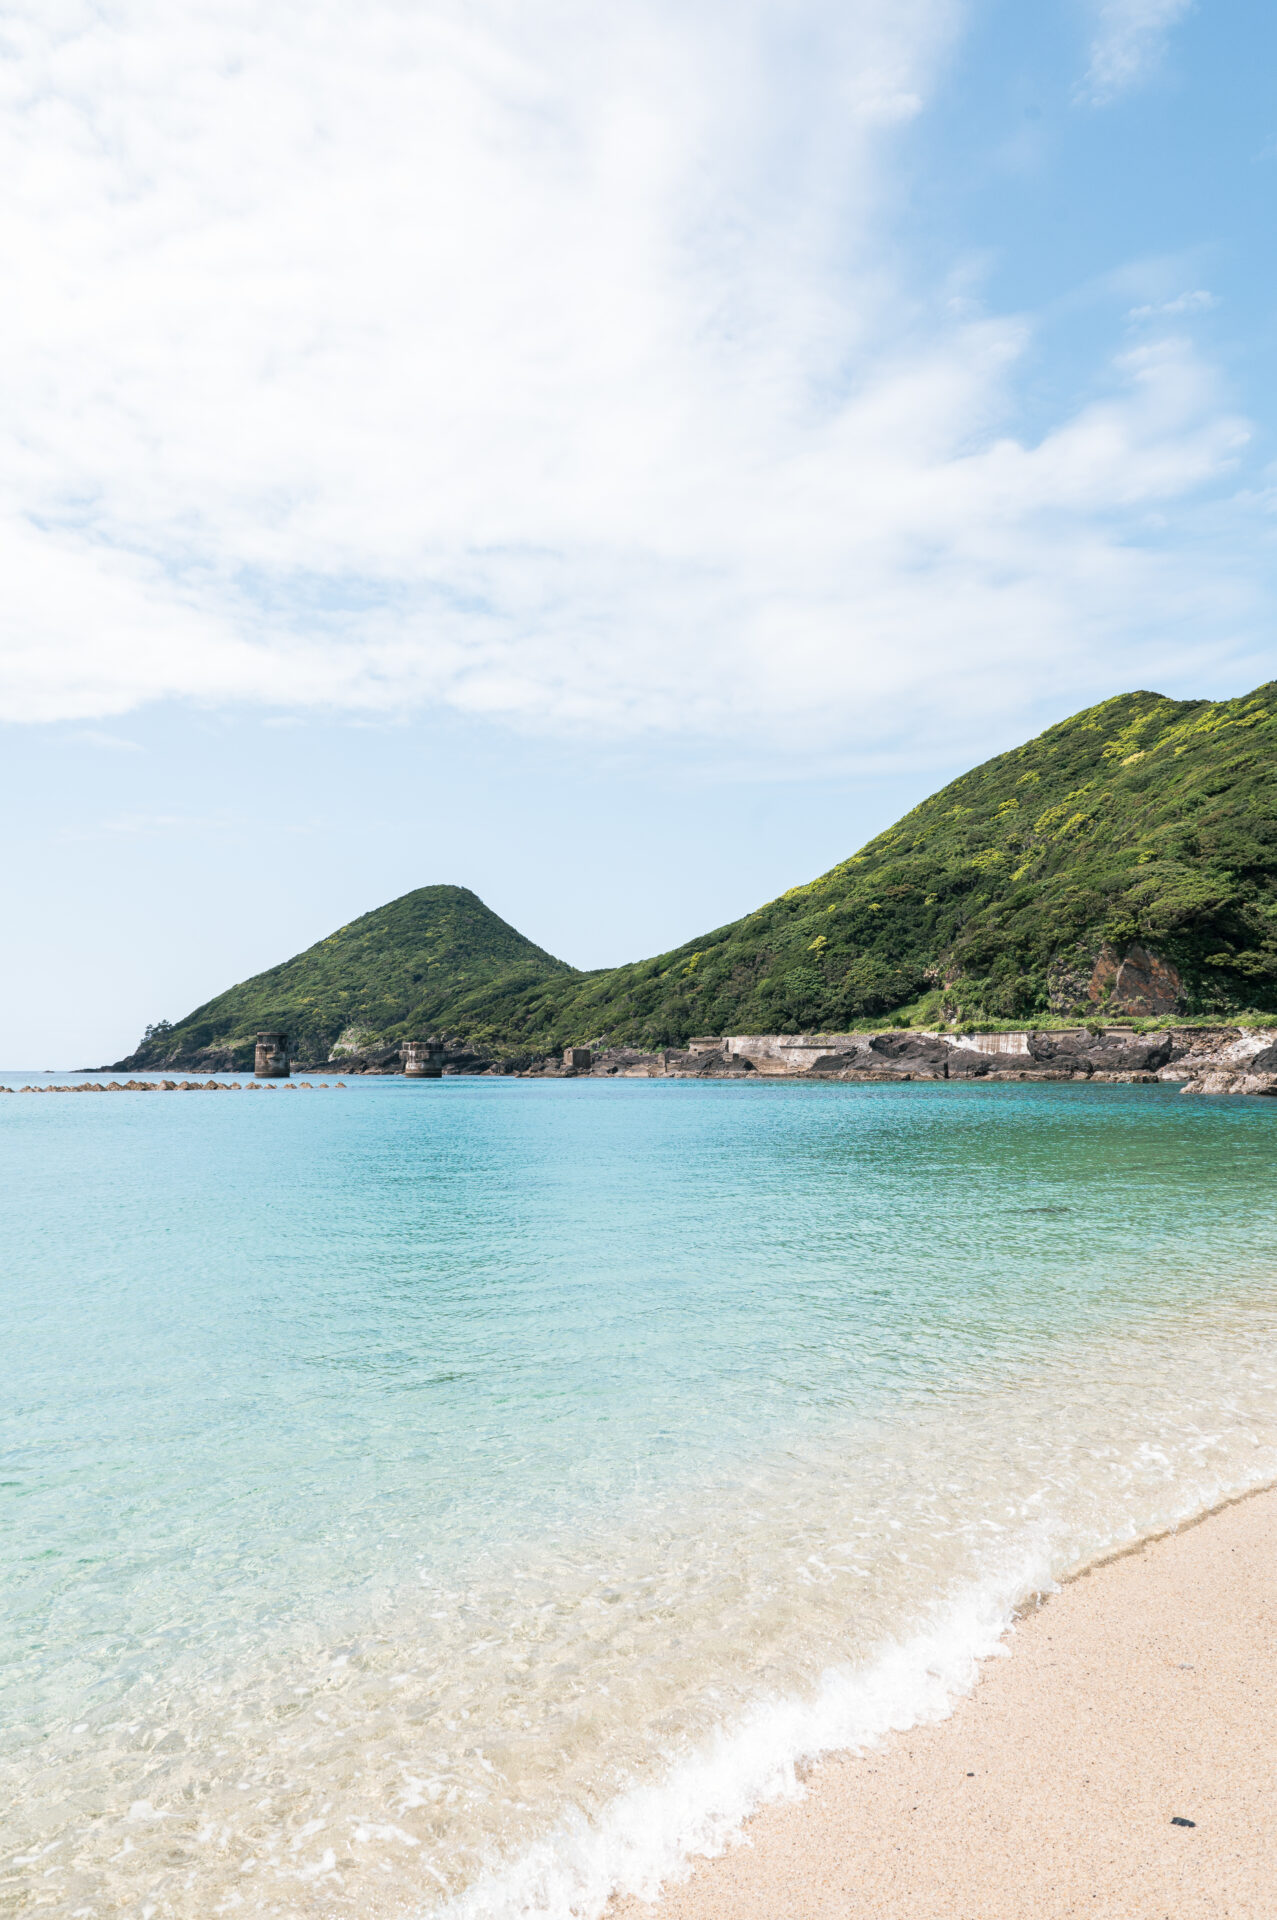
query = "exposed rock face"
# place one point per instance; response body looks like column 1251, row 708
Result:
column 1219, row 1060
column 1106, row 1053
column 1236, row 1060
column 1068, row 978
column 964, row 1063
column 918, row 1051
column 1222, row 1080
column 1236, row 1063
column 351, row 1043
column 1137, row 982
column 702, row 1064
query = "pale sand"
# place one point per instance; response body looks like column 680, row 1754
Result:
column 1143, row 1690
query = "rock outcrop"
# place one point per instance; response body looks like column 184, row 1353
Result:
column 1244, row 1063
column 1136, row 982
column 1108, row 1052
column 1203, row 1060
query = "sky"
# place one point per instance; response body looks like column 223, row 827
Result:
column 616, row 459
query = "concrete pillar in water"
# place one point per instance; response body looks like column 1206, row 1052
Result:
column 422, row 1059
column 270, row 1061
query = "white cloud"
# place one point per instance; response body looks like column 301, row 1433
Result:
column 1129, row 38
column 1199, row 301
column 550, row 363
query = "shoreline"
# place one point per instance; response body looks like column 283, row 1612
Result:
column 1211, row 1058
column 1119, row 1760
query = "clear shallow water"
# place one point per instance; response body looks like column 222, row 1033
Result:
column 479, row 1493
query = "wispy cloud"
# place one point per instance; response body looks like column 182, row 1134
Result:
column 108, row 742
column 1130, row 36
column 1199, row 301
column 551, row 364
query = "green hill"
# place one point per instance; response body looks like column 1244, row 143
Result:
column 1143, row 830
column 1144, row 822
column 410, row 968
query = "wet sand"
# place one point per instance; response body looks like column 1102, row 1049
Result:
column 1142, row 1693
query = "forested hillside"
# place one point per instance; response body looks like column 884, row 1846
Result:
column 1142, row 830
column 1143, row 822
column 404, row 970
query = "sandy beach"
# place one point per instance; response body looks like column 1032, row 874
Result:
column 1141, row 1696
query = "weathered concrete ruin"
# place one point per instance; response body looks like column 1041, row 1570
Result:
column 423, row 1059
column 270, row 1057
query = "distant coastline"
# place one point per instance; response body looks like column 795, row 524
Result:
column 1201, row 1058
column 1122, row 865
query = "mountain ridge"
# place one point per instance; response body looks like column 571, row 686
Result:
column 400, row 969
column 1126, row 857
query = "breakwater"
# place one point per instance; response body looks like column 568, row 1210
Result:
column 176, row 1086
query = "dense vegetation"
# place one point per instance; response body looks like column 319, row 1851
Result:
column 405, row 971
column 1143, row 820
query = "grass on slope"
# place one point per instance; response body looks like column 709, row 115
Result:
column 1140, row 820
column 405, row 970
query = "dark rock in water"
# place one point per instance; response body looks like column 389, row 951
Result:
column 909, row 1050
column 1137, row 1055
column 698, row 1063
column 629, row 1060
column 887, row 1056
column 1014, row 1066
column 1102, row 1052
column 965, row 1063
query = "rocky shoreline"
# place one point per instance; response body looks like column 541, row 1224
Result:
column 1221, row 1059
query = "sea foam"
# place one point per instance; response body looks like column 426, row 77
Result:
column 651, row 1834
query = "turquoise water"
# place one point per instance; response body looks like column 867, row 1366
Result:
column 478, row 1494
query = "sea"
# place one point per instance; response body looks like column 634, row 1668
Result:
column 473, row 1498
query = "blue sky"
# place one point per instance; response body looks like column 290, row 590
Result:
column 614, row 459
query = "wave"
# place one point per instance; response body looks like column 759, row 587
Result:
column 651, row 1833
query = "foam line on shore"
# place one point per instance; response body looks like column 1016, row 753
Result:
column 650, row 1835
